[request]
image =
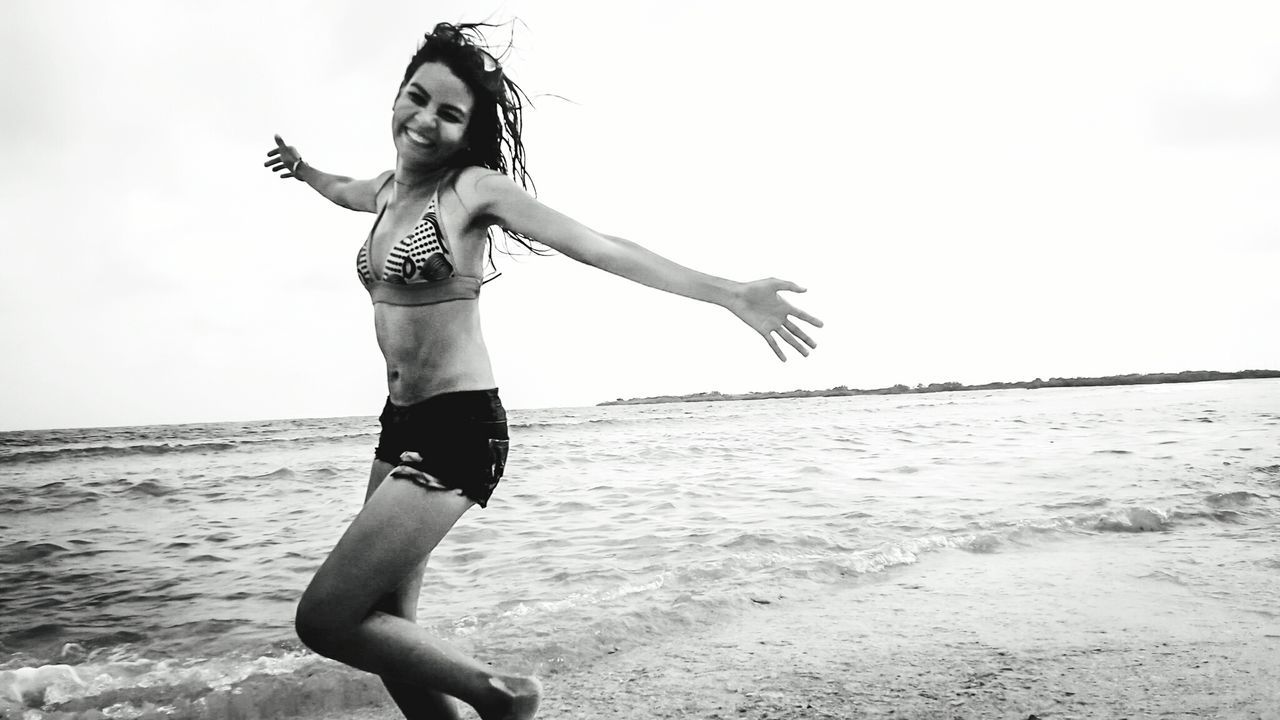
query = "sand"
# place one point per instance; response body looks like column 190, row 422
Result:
column 1077, row 629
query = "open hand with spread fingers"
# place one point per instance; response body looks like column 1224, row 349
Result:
column 283, row 159
column 758, row 304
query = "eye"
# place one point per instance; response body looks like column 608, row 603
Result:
column 415, row 96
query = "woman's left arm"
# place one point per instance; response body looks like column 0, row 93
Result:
column 501, row 202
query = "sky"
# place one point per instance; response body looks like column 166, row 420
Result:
column 970, row 191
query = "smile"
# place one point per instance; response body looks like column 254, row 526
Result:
column 418, row 139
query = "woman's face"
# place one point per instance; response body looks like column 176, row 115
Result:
column 430, row 116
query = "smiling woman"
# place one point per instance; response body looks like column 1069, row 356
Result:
column 452, row 102
column 456, row 126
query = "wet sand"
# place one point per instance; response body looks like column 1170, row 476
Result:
column 1067, row 630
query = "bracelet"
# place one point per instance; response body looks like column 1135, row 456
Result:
column 294, row 170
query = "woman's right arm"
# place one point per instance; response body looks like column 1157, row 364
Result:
column 350, row 193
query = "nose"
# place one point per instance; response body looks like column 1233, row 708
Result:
column 427, row 119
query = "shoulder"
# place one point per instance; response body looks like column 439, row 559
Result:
column 361, row 195
column 474, row 181
column 380, row 185
column 484, row 192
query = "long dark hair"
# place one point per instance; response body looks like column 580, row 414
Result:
column 493, row 136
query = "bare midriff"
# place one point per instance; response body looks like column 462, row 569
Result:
column 432, row 349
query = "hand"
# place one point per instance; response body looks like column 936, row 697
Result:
column 283, row 159
column 758, row 305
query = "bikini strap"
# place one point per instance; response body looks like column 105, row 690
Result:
column 382, row 187
column 445, row 240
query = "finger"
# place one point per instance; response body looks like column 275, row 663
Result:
column 780, row 285
column 774, row 344
column 793, row 342
column 273, row 152
column 286, row 175
column 805, row 316
column 270, row 162
column 280, row 142
column 795, row 330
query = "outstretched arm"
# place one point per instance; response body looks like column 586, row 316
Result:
column 756, row 303
column 350, row 193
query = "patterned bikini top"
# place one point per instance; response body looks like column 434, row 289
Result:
column 419, row 269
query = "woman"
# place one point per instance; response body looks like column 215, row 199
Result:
column 456, row 129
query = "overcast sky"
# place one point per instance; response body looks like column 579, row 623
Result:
column 971, row 191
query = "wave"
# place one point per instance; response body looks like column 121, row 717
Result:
column 20, row 552
column 1082, row 502
column 282, row 473
column 576, row 422
column 547, row 634
column 31, row 456
column 50, row 454
column 1236, row 498
column 290, row 684
column 1133, row 519
column 1228, row 508
column 150, row 488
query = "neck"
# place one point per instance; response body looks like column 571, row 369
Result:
column 411, row 180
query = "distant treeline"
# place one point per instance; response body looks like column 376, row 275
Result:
column 1186, row 376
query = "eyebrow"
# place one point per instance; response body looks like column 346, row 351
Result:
column 455, row 108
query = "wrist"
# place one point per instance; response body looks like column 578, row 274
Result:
column 296, row 170
column 725, row 293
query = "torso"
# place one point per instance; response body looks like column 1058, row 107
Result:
column 436, row 348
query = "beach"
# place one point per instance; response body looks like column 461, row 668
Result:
column 1072, row 631
column 1069, row 552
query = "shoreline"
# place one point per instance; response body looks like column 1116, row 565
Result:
column 1186, row 376
column 1076, row 629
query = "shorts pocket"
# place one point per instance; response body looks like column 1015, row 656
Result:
column 498, row 457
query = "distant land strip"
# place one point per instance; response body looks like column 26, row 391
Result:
column 1186, row 376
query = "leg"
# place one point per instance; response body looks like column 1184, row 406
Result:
column 415, row 703
column 391, row 537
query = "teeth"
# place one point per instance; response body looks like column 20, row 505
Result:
column 416, row 137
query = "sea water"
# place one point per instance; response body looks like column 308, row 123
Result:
column 162, row 564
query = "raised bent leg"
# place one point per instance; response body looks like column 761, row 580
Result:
column 385, row 545
column 415, row 703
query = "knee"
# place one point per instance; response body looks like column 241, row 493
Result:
column 317, row 629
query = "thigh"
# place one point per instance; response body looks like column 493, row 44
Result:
column 387, row 543
column 377, row 473
column 403, row 601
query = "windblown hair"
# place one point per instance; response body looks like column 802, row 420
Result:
column 493, row 136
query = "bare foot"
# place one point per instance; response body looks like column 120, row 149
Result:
column 519, row 698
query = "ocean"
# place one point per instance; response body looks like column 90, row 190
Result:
column 162, row 564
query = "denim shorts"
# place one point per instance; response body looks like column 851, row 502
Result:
column 454, row 441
